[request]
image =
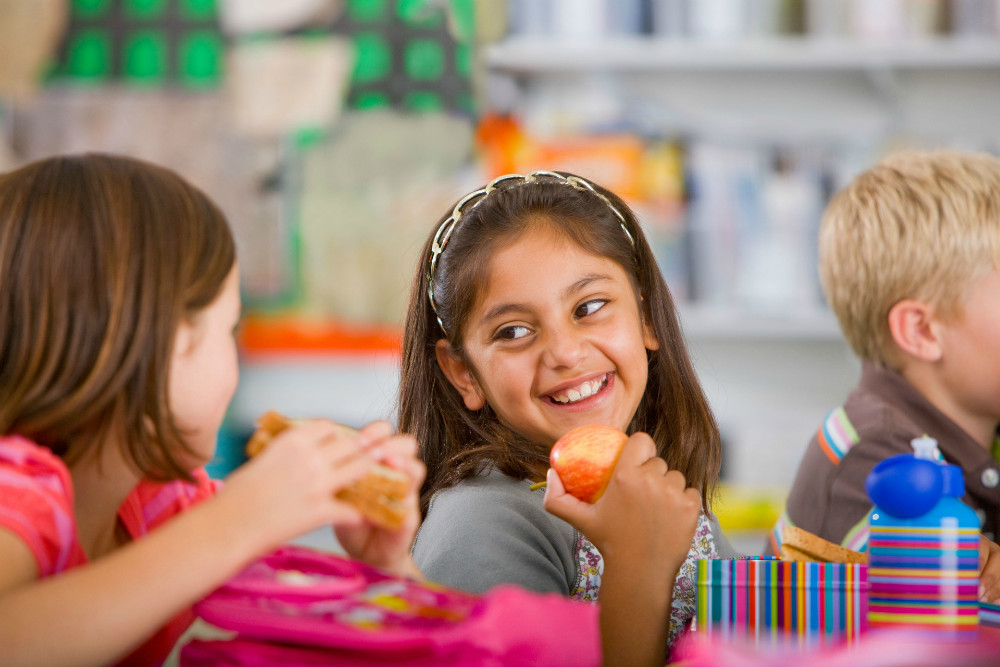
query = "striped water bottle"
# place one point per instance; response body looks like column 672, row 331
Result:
column 923, row 549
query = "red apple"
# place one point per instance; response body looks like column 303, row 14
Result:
column 584, row 458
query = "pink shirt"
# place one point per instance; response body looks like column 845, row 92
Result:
column 36, row 504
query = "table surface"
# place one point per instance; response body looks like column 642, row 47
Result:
column 875, row 649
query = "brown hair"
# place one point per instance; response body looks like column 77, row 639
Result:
column 455, row 443
column 918, row 225
column 101, row 258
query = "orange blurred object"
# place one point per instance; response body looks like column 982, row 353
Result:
column 615, row 161
column 261, row 335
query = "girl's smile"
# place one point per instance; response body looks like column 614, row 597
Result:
column 584, row 394
column 556, row 340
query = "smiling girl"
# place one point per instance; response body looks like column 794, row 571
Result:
column 538, row 307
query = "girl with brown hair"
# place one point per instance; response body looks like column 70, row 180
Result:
column 538, row 307
column 119, row 303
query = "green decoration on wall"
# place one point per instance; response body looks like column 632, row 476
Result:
column 89, row 55
column 201, row 58
column 198, row 10
column 463, row 17
column 145, row 9
column 90, row 8
column 419, row 13
column 463, row 60
column 363, row 11
column 424, row 60
column 373, row 59
column 406, row 57
column 145, row 56
column 422, row 100
column 370, row 100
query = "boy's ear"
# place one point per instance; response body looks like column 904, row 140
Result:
column 914, row 329
column 459, row 375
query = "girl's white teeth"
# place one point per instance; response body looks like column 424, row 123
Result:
column 583, row 391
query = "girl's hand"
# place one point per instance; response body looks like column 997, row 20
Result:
column 288, row 489
column 643, row 526
column 372, row 544
column 989, row 570
column 646, row 517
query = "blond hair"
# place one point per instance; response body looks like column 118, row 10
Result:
column 918, row 225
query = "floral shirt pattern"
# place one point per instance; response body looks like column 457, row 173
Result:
column 591, row 567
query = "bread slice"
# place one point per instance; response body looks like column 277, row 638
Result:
column 378, row 495
column 802, row 545
column 791, row 553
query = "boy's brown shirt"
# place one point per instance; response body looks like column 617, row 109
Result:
column 879, row 419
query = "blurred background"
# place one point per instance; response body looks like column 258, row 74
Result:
column 334, row 133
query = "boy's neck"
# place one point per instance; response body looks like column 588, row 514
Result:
column 924, row 378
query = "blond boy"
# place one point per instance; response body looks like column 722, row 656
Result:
column 909, row 259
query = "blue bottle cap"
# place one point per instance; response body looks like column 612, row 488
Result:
column 954, row 481
column 905, row 486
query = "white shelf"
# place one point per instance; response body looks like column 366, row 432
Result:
column 527, row 55
column 351, row 389
column 737, row 324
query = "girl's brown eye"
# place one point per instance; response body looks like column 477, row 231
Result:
column 511, row 333
column 590, row 307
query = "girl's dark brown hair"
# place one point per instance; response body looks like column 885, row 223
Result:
column 101, row 259
column 456, row 443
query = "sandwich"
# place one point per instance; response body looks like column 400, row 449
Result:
column 378, row 495
column 801, row 545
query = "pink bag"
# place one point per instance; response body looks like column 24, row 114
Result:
column 298, row 606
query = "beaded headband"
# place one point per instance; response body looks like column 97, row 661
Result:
column 447, row 228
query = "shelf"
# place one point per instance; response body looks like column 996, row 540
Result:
column 527, row 55
column 735, row 324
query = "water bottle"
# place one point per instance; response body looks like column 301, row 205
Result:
column 923, row 548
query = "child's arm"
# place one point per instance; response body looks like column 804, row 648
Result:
column 99, row 612
column 643, row 526
column 363, row 540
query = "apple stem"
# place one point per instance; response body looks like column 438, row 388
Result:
column 538, row 485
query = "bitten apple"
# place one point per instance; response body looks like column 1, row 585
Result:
column 585, row 457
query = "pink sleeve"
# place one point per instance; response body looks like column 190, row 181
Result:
column 36, row 504
column 153, row 503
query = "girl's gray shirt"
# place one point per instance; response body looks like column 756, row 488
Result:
column 492, row 529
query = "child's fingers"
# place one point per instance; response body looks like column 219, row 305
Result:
column 553, row 484
column 323, row 444
column 397, row 451
column 989, row 570
column 344, row 515
column 655, row 465
column 989, row 590
column 371, row 433
column 562, row 504
column 340, row 452
column 638, row 449
column 400, row 452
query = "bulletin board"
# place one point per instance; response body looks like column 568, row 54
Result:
column 407, row 58
column 142, row 42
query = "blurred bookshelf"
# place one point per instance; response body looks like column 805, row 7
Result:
column 727, row 125
column 535, row 55
column 721, row 323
